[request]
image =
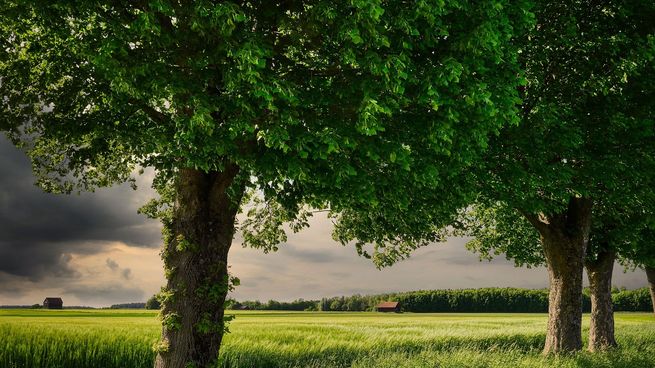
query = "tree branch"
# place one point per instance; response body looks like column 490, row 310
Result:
column 541, row 226
column 152, row 113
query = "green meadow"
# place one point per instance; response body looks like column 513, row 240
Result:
column 124, row 338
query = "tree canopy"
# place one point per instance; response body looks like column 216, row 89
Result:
column 588, row 112
column 301, row 95
column 587, row 116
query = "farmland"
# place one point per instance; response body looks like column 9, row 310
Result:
column 124, row 338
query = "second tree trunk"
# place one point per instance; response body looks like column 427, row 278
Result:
column 601, row 326
column 564, row 238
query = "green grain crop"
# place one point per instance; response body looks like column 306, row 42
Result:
column 110, row 338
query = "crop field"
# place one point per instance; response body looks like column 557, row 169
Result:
column 110, row 338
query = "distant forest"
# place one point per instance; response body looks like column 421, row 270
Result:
column 509, row 300
column 485, row 300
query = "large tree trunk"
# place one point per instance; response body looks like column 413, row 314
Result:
column 564, row 238
column 650, row 273
column 565, row 258
column 197, row 240
column 601, row 328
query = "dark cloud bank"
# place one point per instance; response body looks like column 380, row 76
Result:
column 39, row 232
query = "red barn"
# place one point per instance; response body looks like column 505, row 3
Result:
column 388, row 307
column 53, row 303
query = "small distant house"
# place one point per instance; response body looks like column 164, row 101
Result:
column 53, row 303
column 388, row 307
column 243, row 307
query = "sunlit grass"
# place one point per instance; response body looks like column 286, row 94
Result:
column 40, row 338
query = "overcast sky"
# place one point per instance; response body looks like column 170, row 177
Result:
column 94, row 249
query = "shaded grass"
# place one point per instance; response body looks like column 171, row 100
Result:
column 313, row 339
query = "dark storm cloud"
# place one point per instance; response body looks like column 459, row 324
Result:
column 11, row 286
column 34, row 260
column 40, row 231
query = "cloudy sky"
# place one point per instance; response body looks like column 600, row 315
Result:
column 94, row 249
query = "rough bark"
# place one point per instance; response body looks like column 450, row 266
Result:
column 564, row 238
column 650, row 273
column 601, row 328
column 197, row 241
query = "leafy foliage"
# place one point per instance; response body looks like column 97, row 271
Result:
column 587, row 111
column 263, row 227
column 500, row 230
column 153, row 303
column 632, row 300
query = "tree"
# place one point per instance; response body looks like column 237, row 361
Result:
column 153, row 303
column 586, row 126
column 499, row 230
column 336, row 305
column 324, row 305
column 300, row 104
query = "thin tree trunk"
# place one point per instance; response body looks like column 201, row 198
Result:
column 564, row 238
column 197, row 240
column 650, row 274
column 601, row 329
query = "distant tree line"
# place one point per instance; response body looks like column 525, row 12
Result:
column 485, row 300
column 296, row 305
column 128, row 306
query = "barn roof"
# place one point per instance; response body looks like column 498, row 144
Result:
column 388, row 305
column 56, row 300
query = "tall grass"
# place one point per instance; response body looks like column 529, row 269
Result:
column 52, row 339
column 327, row 340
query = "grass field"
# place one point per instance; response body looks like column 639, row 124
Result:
column 110, row 338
